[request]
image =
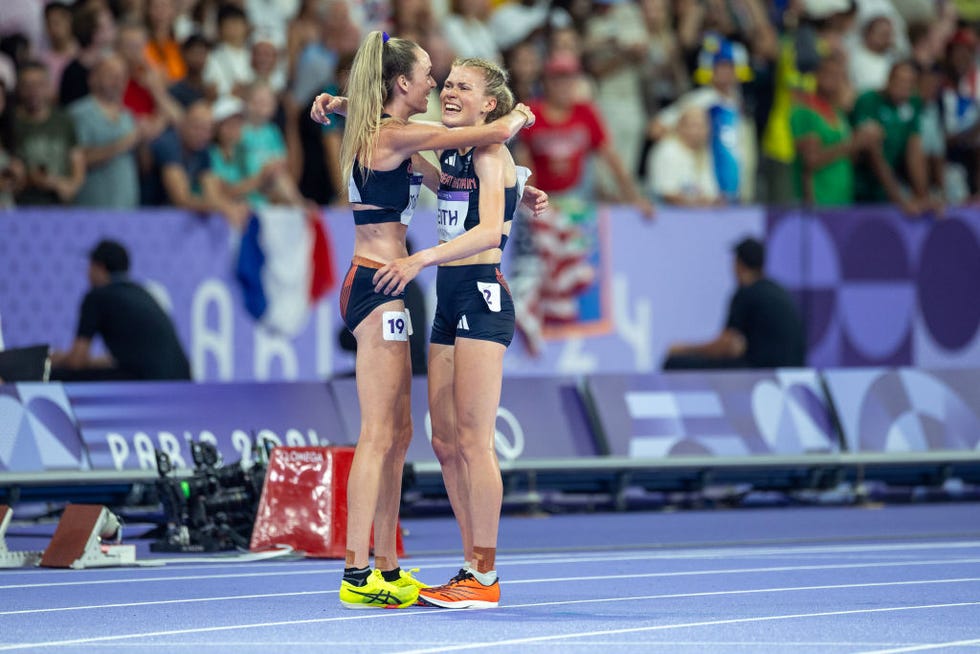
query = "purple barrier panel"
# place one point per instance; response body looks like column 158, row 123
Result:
column 906, row 410
column 877, row 288
column 538, row 418
column 671, row 280
column 38, row 431
column 187, row 261
column 778, row 412
column 123, row 423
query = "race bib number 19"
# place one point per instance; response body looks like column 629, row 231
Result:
column 395, row 326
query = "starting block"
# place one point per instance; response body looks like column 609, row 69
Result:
column 304, row 502
column 77, row 541
column 10, row 559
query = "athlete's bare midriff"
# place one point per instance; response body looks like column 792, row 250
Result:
column 381, row 242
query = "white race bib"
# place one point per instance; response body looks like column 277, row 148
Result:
column 522, row 176
column 491, row 295
column 395, row 326
column 451, row 214
column 413, row 198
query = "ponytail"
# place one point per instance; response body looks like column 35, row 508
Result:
column 378, row 64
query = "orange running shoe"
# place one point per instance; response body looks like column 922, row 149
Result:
column 462, row 592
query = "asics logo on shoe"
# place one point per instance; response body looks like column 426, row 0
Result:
column 380, row 597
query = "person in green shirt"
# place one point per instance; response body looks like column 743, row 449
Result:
column 825, row 144
column 899, row 160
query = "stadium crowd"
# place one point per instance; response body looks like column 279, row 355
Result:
column 203, row 104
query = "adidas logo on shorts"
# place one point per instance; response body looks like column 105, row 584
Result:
column 462, row 324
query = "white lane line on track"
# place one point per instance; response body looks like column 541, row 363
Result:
column 631, row 575
column 925, row 647
column 325, row 645
column 504, row 560
column 404, row 613
column 683, row 625
column 545, row 580
column 544, row 557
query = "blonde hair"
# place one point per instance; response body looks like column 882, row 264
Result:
column 378, row 64
column 496, row 79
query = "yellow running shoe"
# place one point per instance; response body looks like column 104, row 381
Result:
column 376, row 593
column 406, row 580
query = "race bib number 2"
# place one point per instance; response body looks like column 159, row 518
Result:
column 491, row 295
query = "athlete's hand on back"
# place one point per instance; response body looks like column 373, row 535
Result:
column 535, row 199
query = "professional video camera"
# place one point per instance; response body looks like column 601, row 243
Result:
column 214, row 508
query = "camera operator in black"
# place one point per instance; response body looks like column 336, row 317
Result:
column 137, row 332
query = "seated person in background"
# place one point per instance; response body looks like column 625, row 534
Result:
column 139, row 336
column 681, row 169
column 823, row 168
column 181, row 169
column 880, row 173
column 763, row 330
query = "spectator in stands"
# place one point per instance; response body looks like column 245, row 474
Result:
column 934, row 139
column 523, row 62
column 614, row 50
column 139, row 336
column 303, row 31
column 681, row 169
column 193, row 86
column 265, row 146
column 163, row 51
column 62, row 44
column 23, row 17
column 181, row 174
column 256, row 176
column 266, row 67
column 146, row 92
column 870, row 62
column 821, row 31
column 567, row 131
column 467, row 30
column 896, row 171
column 11, row 169
column 961, row 106
column 229, row 66
column 664, row 75
column 108, row 135
column 323, row 162
column 824, row 143
column 733, row 141
column 95, row 30
column 45, row 140
column 763, row 328
column 271, row 17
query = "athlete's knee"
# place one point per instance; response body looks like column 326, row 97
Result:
column 446, row 451
column 474, row 450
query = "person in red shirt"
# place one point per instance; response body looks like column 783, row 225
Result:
column 568, row 130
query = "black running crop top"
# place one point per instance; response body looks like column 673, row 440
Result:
column 459, row 195
column 395, row 192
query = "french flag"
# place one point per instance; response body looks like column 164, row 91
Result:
column 284, row 266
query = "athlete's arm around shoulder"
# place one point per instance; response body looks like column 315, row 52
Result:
column 417, row 136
